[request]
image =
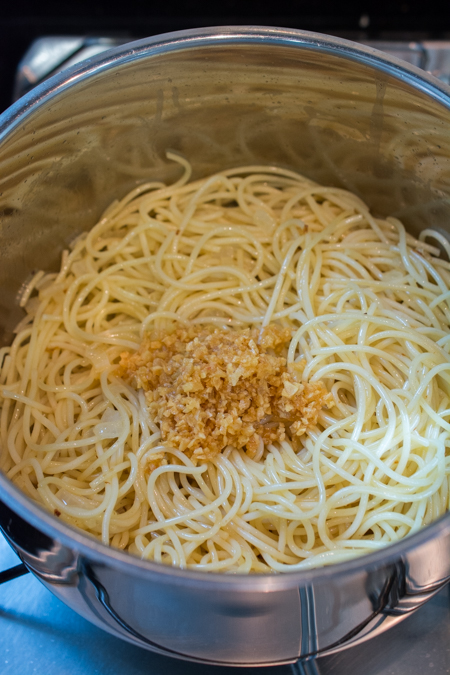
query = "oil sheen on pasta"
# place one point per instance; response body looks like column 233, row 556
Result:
column 367, row 314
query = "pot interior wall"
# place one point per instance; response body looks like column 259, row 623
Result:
column 335, row 119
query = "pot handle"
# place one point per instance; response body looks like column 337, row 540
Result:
column 13, row 573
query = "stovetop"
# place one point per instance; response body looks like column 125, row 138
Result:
column 39, row 634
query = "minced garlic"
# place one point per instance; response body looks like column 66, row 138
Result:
column 209, row 388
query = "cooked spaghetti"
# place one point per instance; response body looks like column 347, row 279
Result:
column 340, row 446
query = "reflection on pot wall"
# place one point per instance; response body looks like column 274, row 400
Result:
column 336, row 120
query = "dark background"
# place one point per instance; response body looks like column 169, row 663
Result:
column 21, row 21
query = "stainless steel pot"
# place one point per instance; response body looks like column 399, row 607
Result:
column 342, row 114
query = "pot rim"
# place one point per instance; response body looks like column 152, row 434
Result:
column 215, row 36
column 17, row 115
